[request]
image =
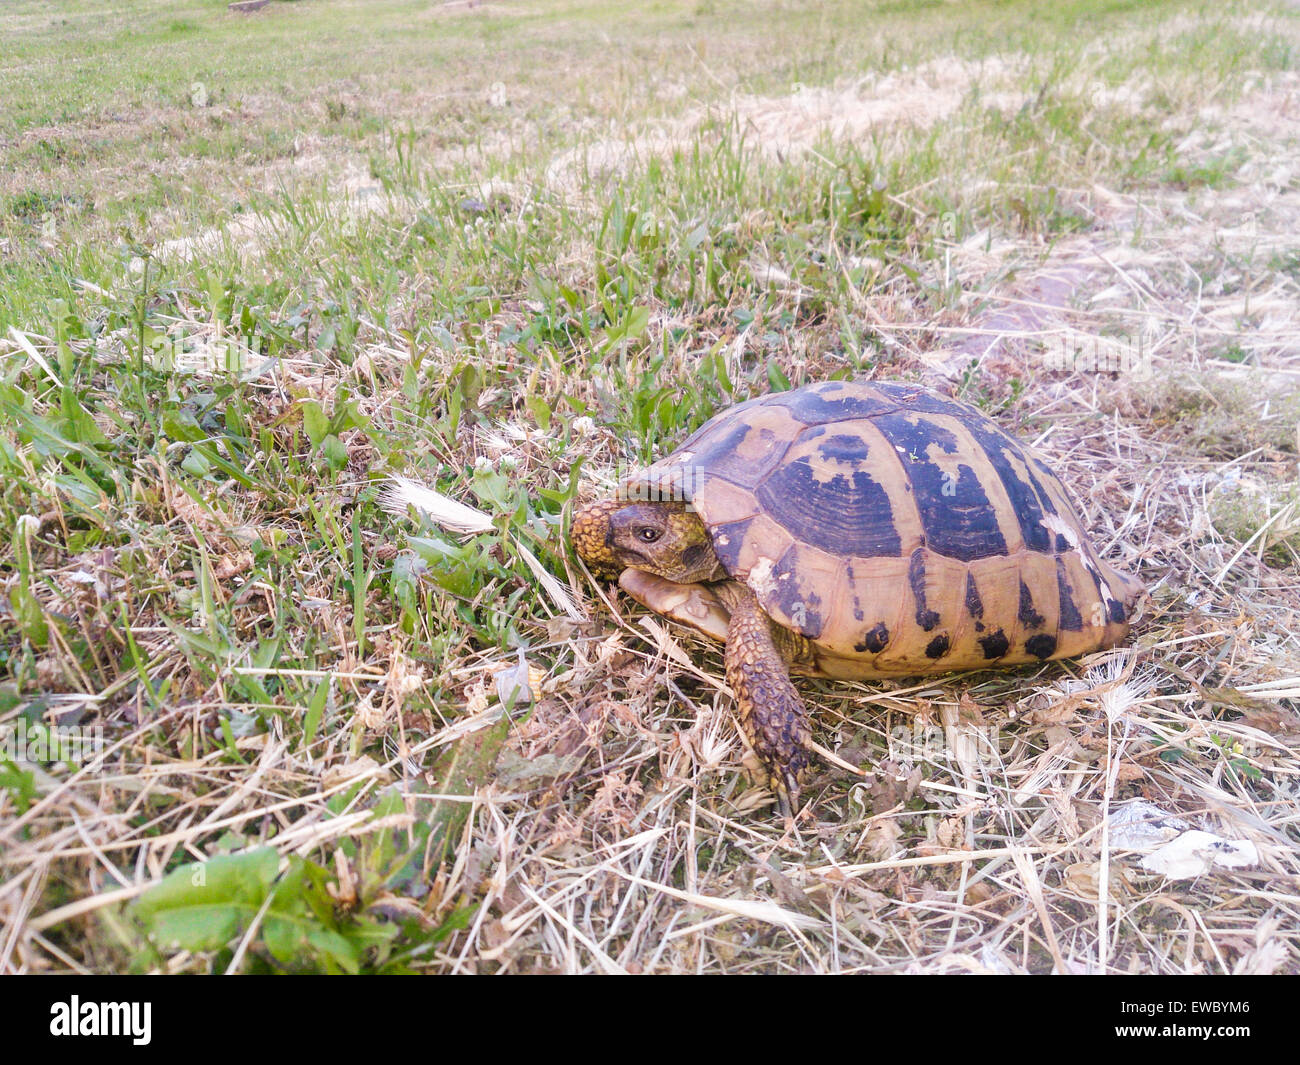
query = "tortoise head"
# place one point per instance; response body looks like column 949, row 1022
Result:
column 666, row 539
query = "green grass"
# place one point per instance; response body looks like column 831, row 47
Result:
column 202, row 552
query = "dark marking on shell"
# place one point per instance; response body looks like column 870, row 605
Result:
column 815, row 406
column 842, row 516
column 925, row 617
column 728, row 552
column 858, row 614
column 874, row 639
column 938, row 647
column 912, row 398
column 1103, row 592
column 843, row 448
column 974, row 604
column 718, row 454
column 956, row 516
column 1041, row 646
column 801, row 606
column 1062, row 544
column 914, row 437
column 1071, row 620
column 1027, row 615
column 1115, row 610
column 735, row 413
column 1028, row 498
column 995, row 644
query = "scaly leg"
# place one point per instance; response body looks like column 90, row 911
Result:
column 771, row 712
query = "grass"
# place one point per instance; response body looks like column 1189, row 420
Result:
column 254, row 265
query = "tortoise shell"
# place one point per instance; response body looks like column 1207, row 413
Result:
column 899, row 531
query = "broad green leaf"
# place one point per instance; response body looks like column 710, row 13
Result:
column 201, row 927
column 337, row 947
column 314, row 421
column 335, row 452
column 224, row 878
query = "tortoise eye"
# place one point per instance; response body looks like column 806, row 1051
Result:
column 648, row 534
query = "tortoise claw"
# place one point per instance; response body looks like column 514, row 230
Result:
column 786, row 788
column 777, row 730
column 776, row 727
column 783, row 805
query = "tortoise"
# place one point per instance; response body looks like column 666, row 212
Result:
column 855, row 530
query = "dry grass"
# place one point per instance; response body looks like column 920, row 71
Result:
column 591, row 805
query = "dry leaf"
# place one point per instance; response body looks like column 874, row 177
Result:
column 1084, row 879
column 951, row 832
column 881, row 838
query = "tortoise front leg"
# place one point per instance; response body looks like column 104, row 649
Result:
column 772, row 714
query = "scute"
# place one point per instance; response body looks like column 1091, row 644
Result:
column 835, row 401
column 826, row 495
column 743, row 450
column 948, row 475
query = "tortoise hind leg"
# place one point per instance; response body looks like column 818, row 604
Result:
column 772, row 714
